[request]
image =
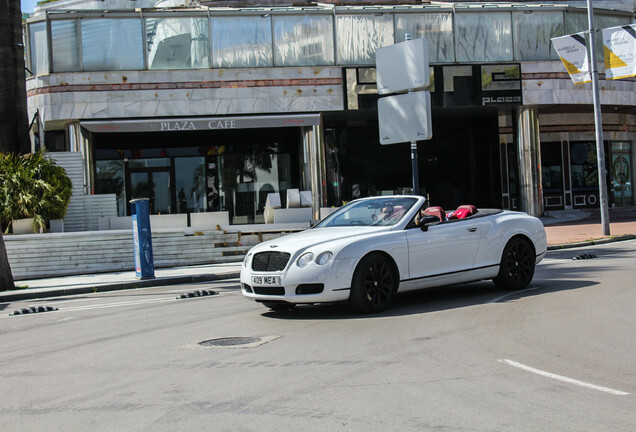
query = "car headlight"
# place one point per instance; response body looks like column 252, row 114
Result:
column 324, row 258
column 247, row 260
column 305, row 260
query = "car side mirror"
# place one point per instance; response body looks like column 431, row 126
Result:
column 428, row 219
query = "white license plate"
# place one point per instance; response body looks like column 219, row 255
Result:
column 266, row 280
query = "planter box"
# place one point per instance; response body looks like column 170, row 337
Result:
column 23, row 226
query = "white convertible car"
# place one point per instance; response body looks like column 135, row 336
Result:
column 373, row 248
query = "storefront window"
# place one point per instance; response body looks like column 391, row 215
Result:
column 303, row 40
column 621, row 173
column 245, row 181
column 551, row 170
column 584, row 167
column 109, row 178
column 190, row 184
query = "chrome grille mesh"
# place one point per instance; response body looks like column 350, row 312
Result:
column 270, row 261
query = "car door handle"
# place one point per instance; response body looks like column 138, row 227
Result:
column 472, row 229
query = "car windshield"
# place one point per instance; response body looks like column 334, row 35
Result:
column 374, row 212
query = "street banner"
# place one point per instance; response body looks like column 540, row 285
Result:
column 572, row 50
column 619, row 49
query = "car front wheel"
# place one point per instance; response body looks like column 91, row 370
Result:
column 374, row 284
column 517, row 265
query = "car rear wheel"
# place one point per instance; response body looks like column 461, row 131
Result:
column 279, row 306
column 374, row 284
column 517, row 265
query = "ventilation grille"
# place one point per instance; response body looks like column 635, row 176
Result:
column 270, row 261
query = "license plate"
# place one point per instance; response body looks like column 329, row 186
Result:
column 265, row 280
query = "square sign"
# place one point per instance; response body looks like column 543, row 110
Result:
column 405, row 118
column 402, row 66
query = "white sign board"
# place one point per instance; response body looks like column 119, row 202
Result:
column 572, row 50
column 405, row 118
column 402, row 66
column 619, row 48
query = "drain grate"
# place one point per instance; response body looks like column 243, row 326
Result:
column 584, row 256
column 230, row 341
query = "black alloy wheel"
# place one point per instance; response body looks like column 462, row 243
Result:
column 517, row 265
column 374, row 284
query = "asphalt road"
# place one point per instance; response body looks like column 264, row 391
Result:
column 559, row 356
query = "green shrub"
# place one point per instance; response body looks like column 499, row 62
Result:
column 32, row 186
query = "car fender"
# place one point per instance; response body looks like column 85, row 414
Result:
column 391, row 243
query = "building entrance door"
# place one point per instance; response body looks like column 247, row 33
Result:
column 155, row 184
column 621, row 173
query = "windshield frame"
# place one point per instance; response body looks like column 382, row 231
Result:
column 367, row 212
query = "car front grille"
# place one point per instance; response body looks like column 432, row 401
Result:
column 270, row 261
column 269, row 290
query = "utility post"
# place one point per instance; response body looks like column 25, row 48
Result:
column 598, row 125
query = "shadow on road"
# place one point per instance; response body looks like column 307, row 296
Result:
column 434, row 300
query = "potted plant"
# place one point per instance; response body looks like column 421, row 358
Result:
column 33, row 187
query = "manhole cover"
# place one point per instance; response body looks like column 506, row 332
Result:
column 230, row 341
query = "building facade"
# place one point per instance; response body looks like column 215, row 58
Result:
column 206, row 108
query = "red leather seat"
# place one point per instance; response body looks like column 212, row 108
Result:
column 464, row 211
column 436, row 211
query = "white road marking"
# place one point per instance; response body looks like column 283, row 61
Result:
column 64, row 301
column 564, row 379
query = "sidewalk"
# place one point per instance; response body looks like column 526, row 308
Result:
column 565, row 229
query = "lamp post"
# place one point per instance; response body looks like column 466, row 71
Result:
column 598, row 125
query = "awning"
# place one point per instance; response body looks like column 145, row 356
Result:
column 200, row 123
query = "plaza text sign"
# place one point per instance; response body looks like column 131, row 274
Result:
column 200, row 124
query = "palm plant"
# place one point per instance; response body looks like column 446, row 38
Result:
column 32, row 186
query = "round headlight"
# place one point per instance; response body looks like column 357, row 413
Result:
column 247, row 260
column 305, row 259
column 324, row 258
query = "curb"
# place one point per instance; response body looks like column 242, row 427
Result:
column 89, row 289
column 593, row 242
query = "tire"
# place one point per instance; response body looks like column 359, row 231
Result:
column 374, row 284
column 279, row 306
column 517, row 265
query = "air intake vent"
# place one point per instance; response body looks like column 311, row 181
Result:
column 270, row 261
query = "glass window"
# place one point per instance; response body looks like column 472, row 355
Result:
column 149, row 163
column 109, row 178
column 436, row 28
column 484, row 36
column 241, row 41
column 64, row 45
column 191, row 184
column 39, row 48
column 532, row 34
column 621, row 173
column 584, row 166
column 551, row 171
column 359, row 36
column 177, row 43
column 303, row 40
column 112, row 44
column 578, row 22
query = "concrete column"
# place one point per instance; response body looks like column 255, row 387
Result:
column 314, row 168
column 529, row 154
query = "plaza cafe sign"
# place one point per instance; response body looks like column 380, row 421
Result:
column 200, row 124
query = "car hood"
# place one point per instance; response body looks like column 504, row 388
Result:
column 337, row 236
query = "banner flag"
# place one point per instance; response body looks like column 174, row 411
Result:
column 572, row 50
column 619, row 49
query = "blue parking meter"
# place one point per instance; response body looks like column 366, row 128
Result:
column 142, row 237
